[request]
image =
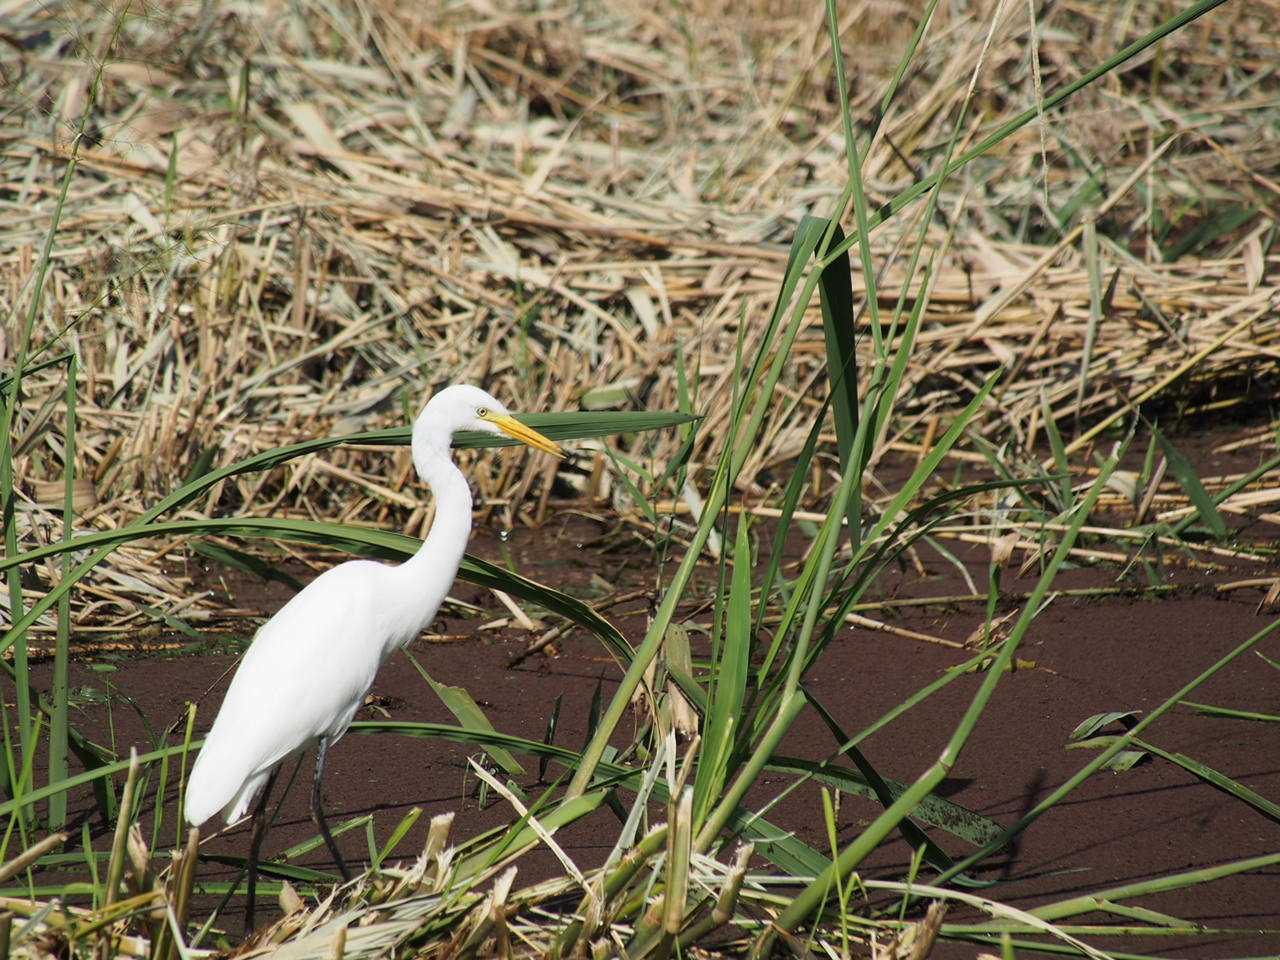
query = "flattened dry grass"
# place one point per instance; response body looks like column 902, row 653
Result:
column 297, row 219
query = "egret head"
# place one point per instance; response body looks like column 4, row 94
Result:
column 464, row 407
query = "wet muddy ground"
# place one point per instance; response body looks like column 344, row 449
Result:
column 1081, row 657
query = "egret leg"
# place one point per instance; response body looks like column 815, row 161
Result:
column 255, row 844
column 317, row 811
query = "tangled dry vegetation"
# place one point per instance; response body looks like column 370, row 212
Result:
column 294, row 219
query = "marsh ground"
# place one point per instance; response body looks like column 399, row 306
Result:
column 1083, row 656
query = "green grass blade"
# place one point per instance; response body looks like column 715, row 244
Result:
column 58, row 683
column 835, row 296
column 12, row 395
column 1059, row 448
column 855, row 181
column 730, row 683
column 1214, row 778
column 1191, row 485
column 525, row 837
column 401, row 830
column 895, row 84
column 1231, row 489
column 468, row 713
column 29, row 368
column 1090, row 902
column 1228, row 713
column 937, row 811
column 365, row 541
column 790, row 501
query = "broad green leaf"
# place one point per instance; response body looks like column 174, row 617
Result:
column 1186, row 474
column 835, row 295
column 1091, row 725
column 468, row 713
column 951, row 817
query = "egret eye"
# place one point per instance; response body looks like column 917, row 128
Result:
column 483, row 413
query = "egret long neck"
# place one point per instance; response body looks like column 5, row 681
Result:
column 447, row 540
column 425, row 577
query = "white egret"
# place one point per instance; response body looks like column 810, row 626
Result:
column 310, row 666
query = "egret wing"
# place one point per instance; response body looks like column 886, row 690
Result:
column 304, row 676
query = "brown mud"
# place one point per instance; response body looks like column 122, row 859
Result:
column 1081, row 657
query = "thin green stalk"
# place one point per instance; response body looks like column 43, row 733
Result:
column 8, row 408
column 749, row 773
column 855, row 179
column 1094, row 269
column 1007, row 129
column 21, row 787
column 615, row 882
column 58, row 691
column 185, row 748
column 908, row 55
column 115, row 865
column 1096, row 901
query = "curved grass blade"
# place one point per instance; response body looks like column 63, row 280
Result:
column 934, row 810
column 1196, row 493
column 1206, row 773
column 468, row 713
column 1095, row 901
column 557, row 426
column 1229, row 713
column 365, row 541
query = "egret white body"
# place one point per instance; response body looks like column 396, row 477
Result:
column 310, row 666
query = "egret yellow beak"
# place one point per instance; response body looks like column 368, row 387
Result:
column 516, row 430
